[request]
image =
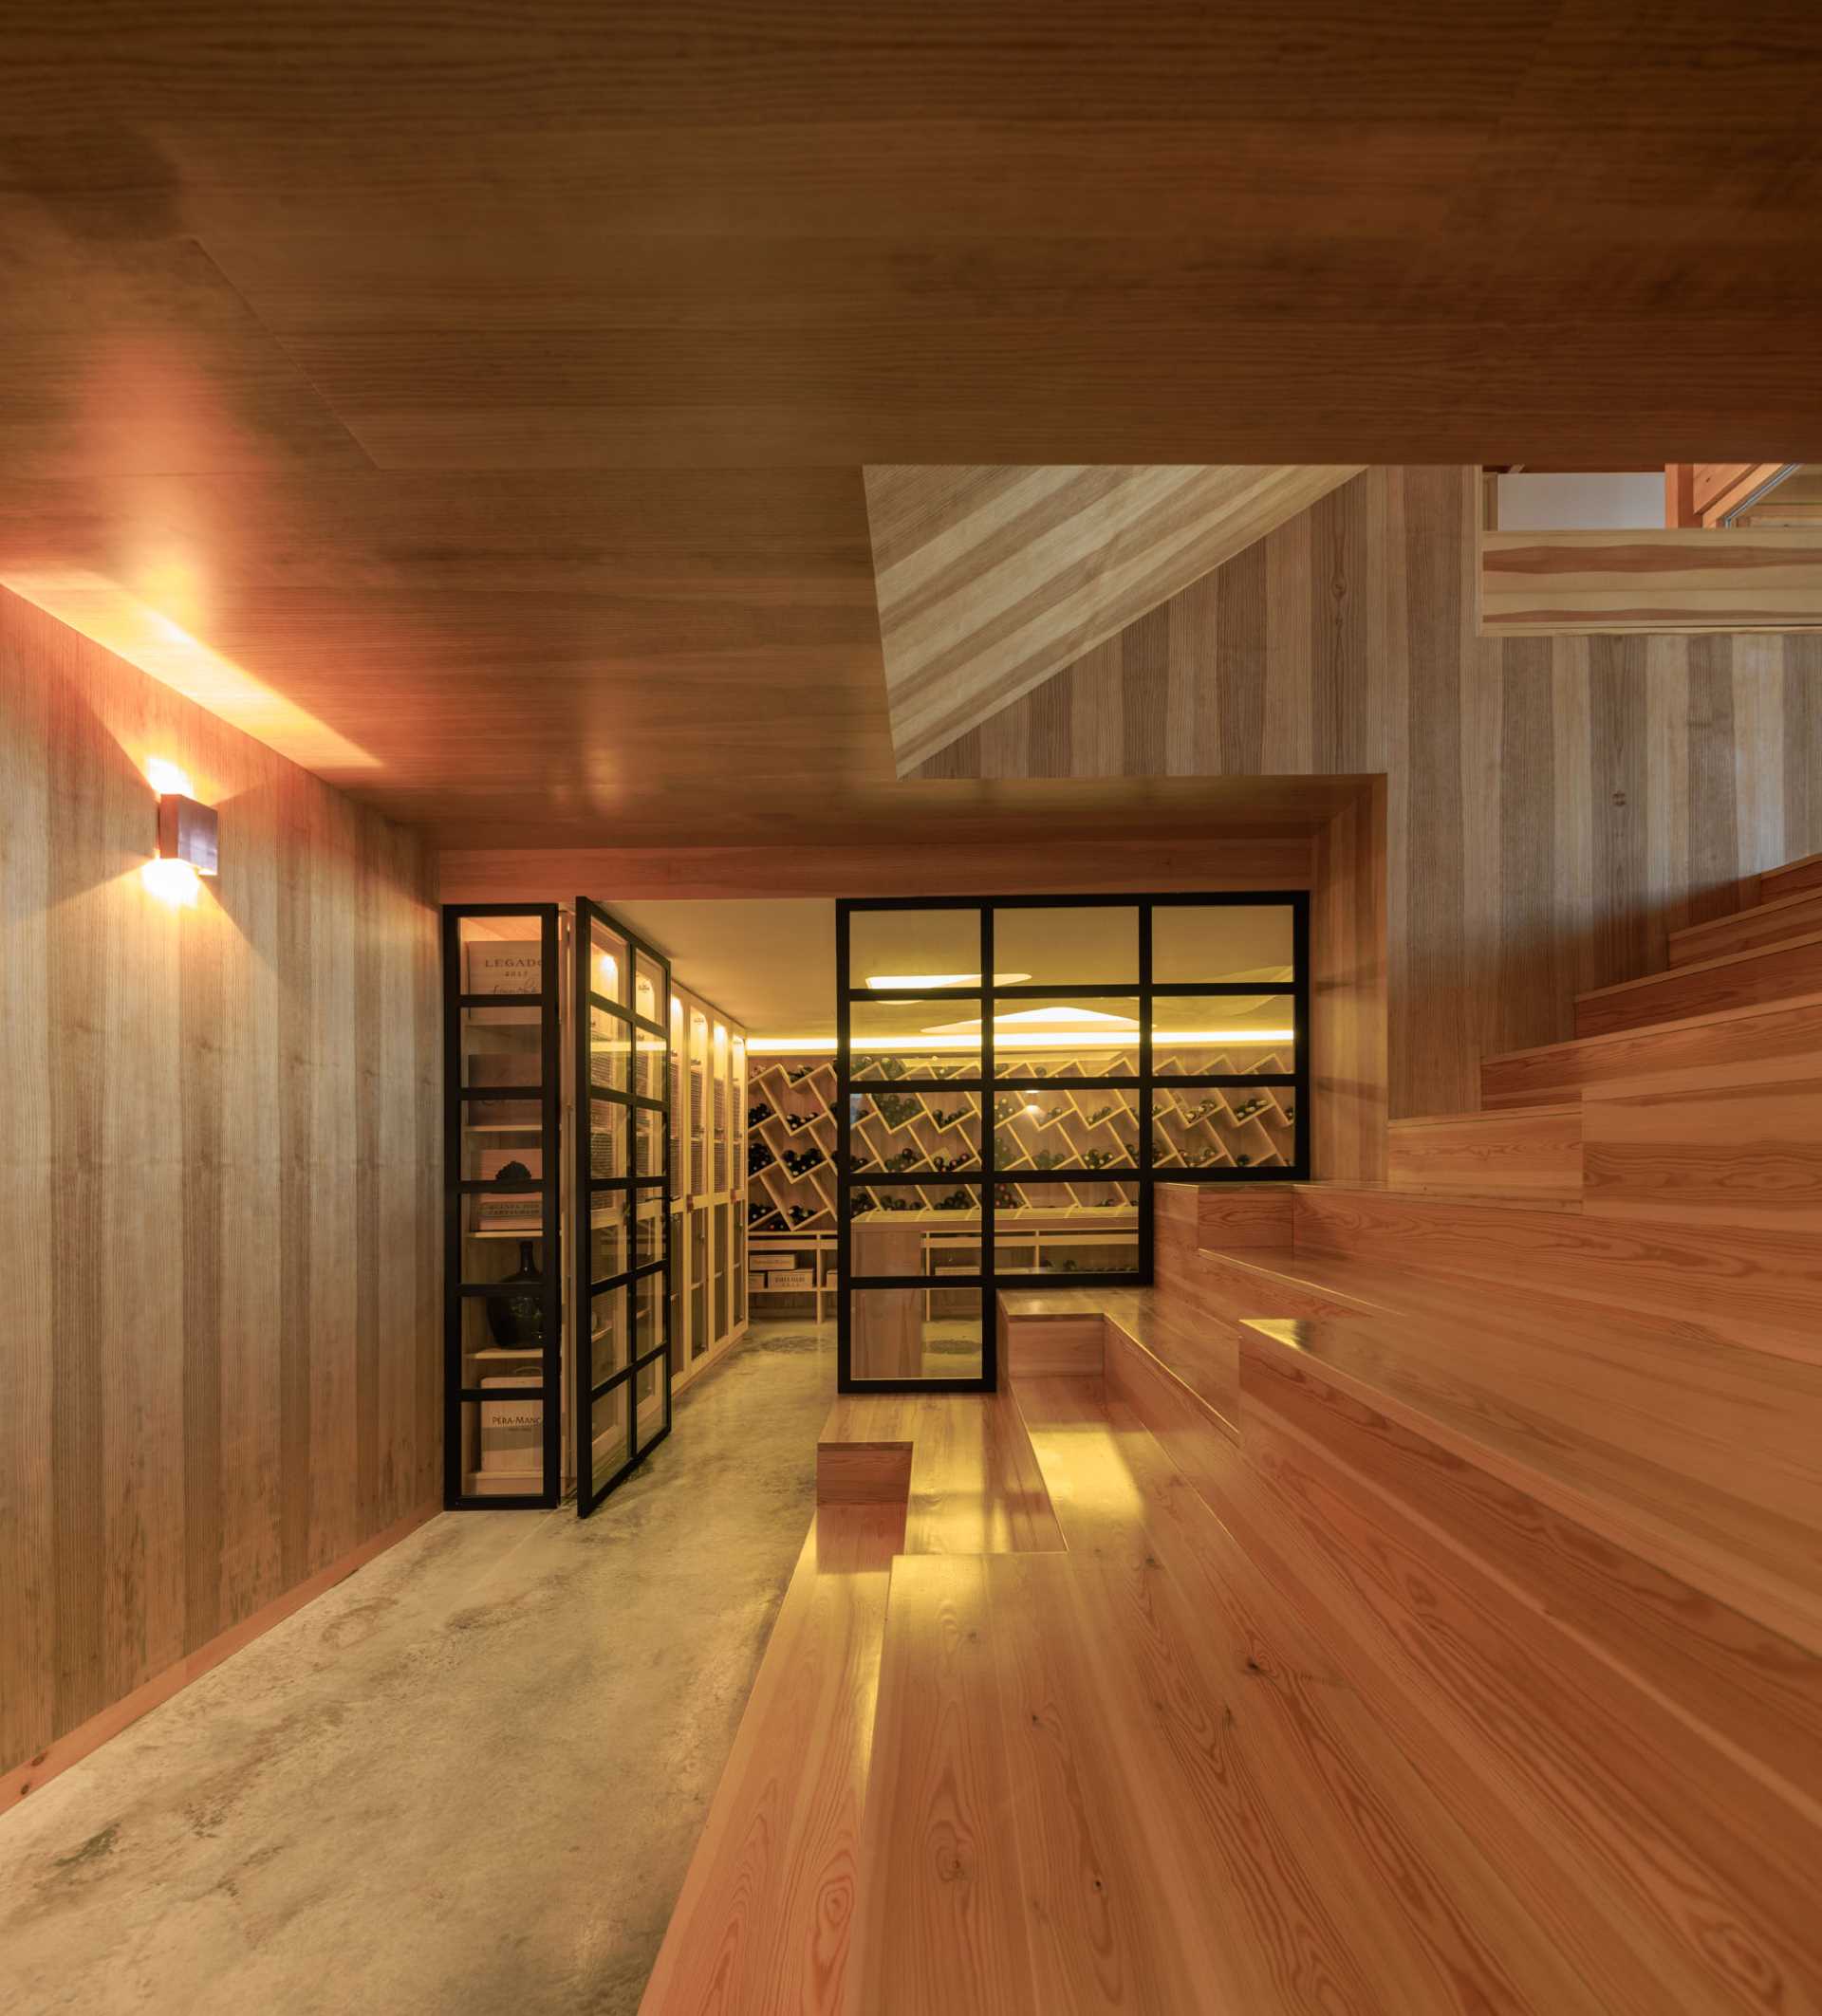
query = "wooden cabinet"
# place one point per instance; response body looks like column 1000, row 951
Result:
column 709, row 1183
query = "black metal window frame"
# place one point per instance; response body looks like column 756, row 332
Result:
column 457, row 1291
column 1144, row 1084
column 630, row 1185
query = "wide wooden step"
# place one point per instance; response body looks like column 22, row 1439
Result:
column 762, row 1921
column 1754, row 1287
column 1461, row 1610
column 1778, row 972
column 1789, row 879
column 1729, row 1144
column 1787, row 916
column 1242, row 1747
column 1064, row 1332
column 1639, row 1437
column 1531, row 1152
column 959, row 1464
column 1556, row 1071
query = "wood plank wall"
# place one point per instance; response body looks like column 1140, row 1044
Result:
column 1554, row 807
column 219, row 1183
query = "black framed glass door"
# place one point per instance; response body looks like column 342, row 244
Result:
column 1012, row 1077
column 620, row 1212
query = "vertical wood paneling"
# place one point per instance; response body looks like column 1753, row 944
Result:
column 220, row 1188
column 1554, row 807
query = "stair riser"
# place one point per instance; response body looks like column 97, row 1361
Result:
column 1518, row 1154
column 1762, row 1289
column 1792, row 879
column 1560, row 1071
column 1772, row 975
column 1747, row 931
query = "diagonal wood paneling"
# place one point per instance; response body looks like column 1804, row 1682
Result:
column 1555, row 805
column 990, row 579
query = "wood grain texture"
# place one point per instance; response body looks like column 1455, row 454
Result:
column 1554, row 807
column 1537, row 583
column 764, row 1917
column 1042, row 851
column 1759, row 924
column 222, row 1174
column 1759, row 1288
column 942, row 1912
column 1778, row 971
column 972, row 1485
column 1533, row 1151
column 1744, row 1035
column 1639, row 1442
column 990, row 579
column 603, row 241
column 1738, row 1144
column 1531, row 1743
column 1790, row 877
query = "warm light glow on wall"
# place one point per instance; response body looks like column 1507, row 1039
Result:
column 164, row 777
column 1034, row 1040
column 172, row 883
column 916, row 983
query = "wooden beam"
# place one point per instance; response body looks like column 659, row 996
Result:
column 1539, row 583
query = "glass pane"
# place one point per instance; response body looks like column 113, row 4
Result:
column 1066, row 947
column 915, row 1039
column 648, row 987
column 607, row 1335
column 606, row 963
column 502, row 956
column 607, row 1238
column 909, row 1132
column 609, row 1050
column 648, row 1313
column 607, row 1421
column 917, row 1333
column 651, row 1215
column 1219, row 1035
column 1066, row 1227
column 504, row 1214
column 1221, row 941
column 1066, row 1129
column 648, row 1130
column 1063, row 1037
column 608, row 1138
column 650, row 1082
column 1224, row 1127
column 502, row 1335
column 506, row 1058
column 502, row 1444
column 910, row 1205
column 914, row 948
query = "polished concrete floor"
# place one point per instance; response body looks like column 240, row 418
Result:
column 468, row 1778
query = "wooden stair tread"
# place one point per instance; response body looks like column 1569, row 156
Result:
column 1638, row 1438
column 1805, row 872
column 1780, row 916
column 1755, row 1030
column 1753, row 1286
column 761, row 1920
column 969, row 1482
column 1530, row 1151
column 1780, row 970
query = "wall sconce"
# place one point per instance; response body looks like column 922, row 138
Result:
column 188, row 834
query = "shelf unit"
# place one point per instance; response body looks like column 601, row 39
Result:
column 709, row 1286
column 557, row 1154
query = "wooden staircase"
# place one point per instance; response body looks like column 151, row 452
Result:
column 1412, row 1603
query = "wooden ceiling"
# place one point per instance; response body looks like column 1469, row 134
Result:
column 478, row 399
